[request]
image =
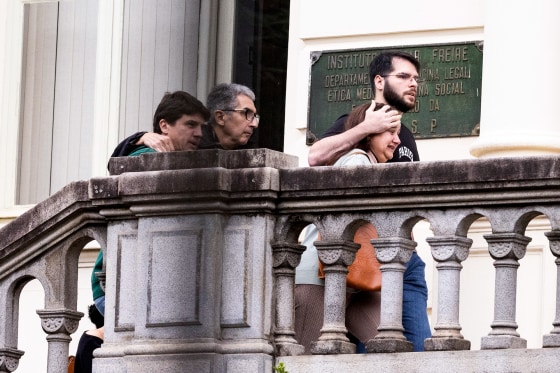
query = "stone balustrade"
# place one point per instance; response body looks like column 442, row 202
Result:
column 201, row 250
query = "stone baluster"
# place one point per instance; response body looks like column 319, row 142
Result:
column 59, row 324
column 449, row 252
column 286, row 258
column 9, row 359
column 506, row 249
column 553, row 339
column 336, row 256
column 393, row 254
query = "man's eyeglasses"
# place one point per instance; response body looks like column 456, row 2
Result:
column 405, row 76
column 249, row 114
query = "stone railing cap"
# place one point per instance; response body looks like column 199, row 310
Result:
column 231, row 159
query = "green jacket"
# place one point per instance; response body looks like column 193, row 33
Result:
column 95, row 284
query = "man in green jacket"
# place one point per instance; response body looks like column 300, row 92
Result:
column 180, row 117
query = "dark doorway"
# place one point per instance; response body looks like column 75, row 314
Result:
column 260, row 62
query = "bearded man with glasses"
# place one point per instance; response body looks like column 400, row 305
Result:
column 394, row 78
column 394, row 81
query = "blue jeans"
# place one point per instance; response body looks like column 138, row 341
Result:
column 100, row 305
column 415, row 302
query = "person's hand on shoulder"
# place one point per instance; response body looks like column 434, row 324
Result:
column 381, row 120
column 156, row 141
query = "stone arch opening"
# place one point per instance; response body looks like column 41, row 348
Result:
column 30, row 297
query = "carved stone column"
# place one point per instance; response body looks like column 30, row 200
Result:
column 449, row 252
column 9, row 359
column 553, row 339
column 286, row 258
column 506, row 249
column 393, row 254
column 336, row 257
column 59, row 324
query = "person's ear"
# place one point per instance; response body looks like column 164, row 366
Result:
column 163, row 126
column 378, row 80
column 219, row 117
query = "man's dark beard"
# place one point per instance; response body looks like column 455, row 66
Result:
column 394, row 100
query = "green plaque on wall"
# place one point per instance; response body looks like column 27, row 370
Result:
column 447, row 103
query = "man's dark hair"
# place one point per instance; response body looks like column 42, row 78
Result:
column 95, row 316
column 382, row 64
column 174, row 105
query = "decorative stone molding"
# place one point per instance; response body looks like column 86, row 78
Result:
column 507, row 245
column 60, row 321
column 9, row 359
column 393, row 254
column 449, row 252
column 336, row 256
column 506, row 249
column 553, row 339
column 286, row 257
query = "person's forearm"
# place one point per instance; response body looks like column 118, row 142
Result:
column 156, row 141
column 326, row 151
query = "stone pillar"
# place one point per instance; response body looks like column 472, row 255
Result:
column 449, row 252
column 286, row 258
column 59, row 324
column 336, row 257
column 393, row 254
column 506, row 249
column 510, row 124
column 9, row 359
column 553, row 339
column 11, row 40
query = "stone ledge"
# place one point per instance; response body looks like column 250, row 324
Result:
column 230, row 159
column 422, row 176
column 494, row 361
column 73, row 198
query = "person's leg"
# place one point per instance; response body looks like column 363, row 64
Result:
column 415, row 302
column 309, row 305
column 360, row 347
column 363, row 314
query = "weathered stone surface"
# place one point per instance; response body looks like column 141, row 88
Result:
column 466, row 183
column 230, row 159
column 446, row 344
column 501, row 361
column 73, row 198
column 189, row 259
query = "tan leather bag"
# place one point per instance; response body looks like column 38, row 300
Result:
column 364, row 273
